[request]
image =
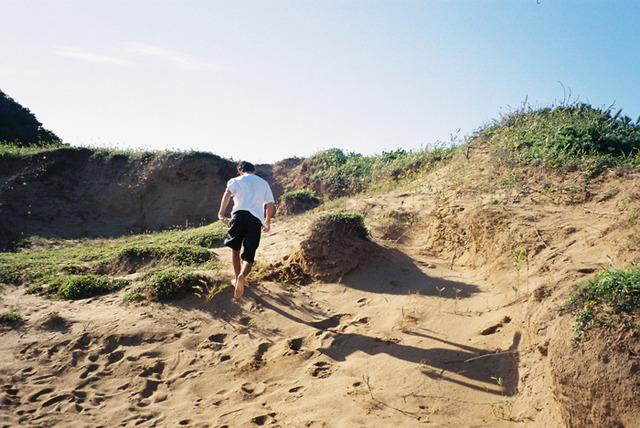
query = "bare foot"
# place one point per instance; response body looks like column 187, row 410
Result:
column 239, row 286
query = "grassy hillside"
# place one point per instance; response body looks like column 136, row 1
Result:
column 558, row 139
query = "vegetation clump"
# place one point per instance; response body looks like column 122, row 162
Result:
column 336, row 173
column 172, row 283
column 83, row 286
column 299, row 201
column 174, row 253
column 336, row 244
column 10, row 317
column 609, row 299
column 78, row 269
column 564, row 135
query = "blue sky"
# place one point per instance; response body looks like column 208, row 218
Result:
column 271, row 79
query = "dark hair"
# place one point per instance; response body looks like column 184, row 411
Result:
column 245, row 166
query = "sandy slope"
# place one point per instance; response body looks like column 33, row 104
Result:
column 387, row 350
column 437, row 327
column 384, row 346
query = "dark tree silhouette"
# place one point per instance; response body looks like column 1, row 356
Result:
column 19, row 127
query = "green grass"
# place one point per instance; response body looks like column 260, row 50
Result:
column 605, row 300
column 10, row 317
column 80, row 268
column 298, row 201
column 341, row 174
column 574, row 136
column 171, row 283
column 565, row 137
column 172, row 253
column 11, row 151
column 302, row 196
column 14, row 151
column 83, row 286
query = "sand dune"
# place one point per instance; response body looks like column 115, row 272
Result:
column 433, row 325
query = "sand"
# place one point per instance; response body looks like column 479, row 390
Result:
column 437, row 325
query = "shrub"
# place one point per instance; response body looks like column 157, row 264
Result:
column 564, row 135
column 135, row 294
column 181, row 254
column 338, row 174
column 8, row 275
column 301, row 195
column 10, row 317
column 19, row 127
column 188, row 254
column 79, row 287
column 604, row 300
column 299, row 201
column 171, row 283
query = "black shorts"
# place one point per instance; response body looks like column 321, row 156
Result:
column 244, row 232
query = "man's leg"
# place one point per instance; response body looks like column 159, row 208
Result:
column 241, row 269
column 236, row 262
column 241, row 279
column 250, row 242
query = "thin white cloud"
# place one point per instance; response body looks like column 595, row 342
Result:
column 173, row 57
column 83, row 55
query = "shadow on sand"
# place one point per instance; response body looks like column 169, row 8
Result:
column 454, row 363
column 392, row 272
column 492, row 371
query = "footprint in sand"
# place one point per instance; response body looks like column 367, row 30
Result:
column 263, row 419
column 248, row 390
column 495, row 327
column 90, row 368
column 330, row 322
column 295, row 393
column 218, row 338
column 56, row 399
column 35, row 397
column 320, row 370
column 262, row 348
column 361, row 321
column 11, row 395
column 150, row 387
column 55, row 348
column 294, row 345
column 154, row 370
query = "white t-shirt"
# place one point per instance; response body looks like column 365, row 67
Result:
column 250, row 193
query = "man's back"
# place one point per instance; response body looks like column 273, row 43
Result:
column 250, row 193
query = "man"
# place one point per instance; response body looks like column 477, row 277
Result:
column 250, row 195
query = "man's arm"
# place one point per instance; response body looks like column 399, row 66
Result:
column 223, row 206
column 269, row 215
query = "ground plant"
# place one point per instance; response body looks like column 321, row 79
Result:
column 338, row 173
column 610, row 299
column 74, row 269
column 171, row 283
column 303, row 195
column 10, row 317
column 298, row 201
column 571, row 136
column 83, row 286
